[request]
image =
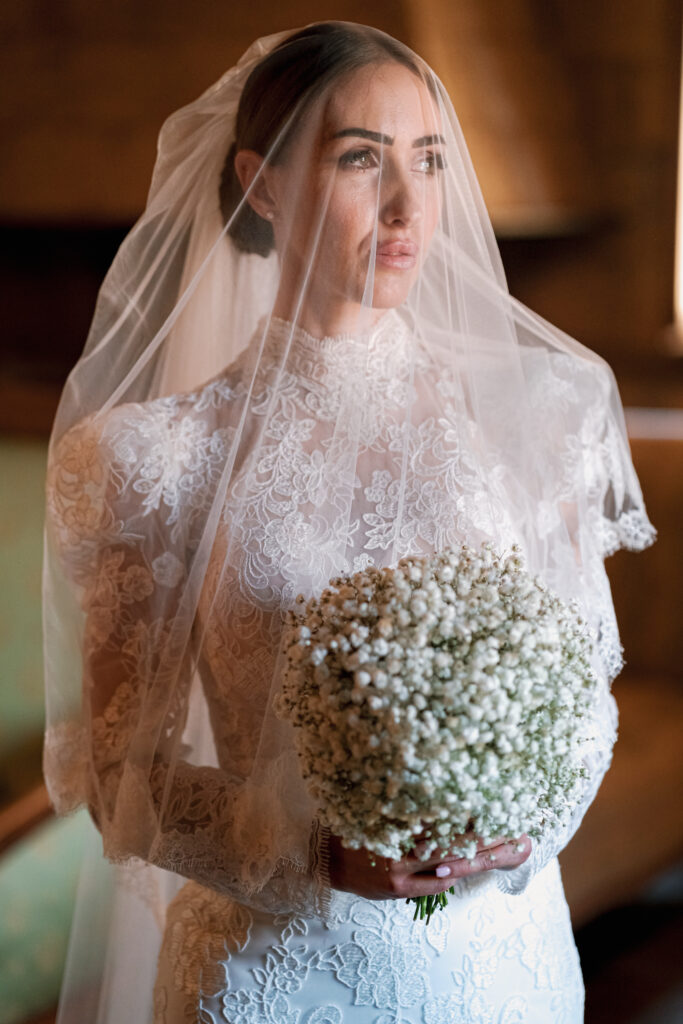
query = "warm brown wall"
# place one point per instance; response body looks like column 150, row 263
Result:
column 610, row 283
column 612, row 288
column 88, row 85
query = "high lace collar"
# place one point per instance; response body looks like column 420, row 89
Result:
column 381, row 352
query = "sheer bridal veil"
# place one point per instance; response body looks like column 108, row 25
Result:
column 304, row 358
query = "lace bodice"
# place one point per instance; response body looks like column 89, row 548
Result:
column 129, row 495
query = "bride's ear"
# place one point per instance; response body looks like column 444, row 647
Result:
column 248, row 168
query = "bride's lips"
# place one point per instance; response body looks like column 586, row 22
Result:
column 400, row 255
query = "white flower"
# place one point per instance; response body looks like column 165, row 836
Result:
column 318, row 655
column 452, row 689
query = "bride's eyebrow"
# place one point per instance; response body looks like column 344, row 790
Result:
column 429, row 140
column 365, row 133
column 386, row 140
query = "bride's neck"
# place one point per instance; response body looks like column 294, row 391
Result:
column 326, row 318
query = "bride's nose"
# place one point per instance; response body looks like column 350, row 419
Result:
column 402, row 198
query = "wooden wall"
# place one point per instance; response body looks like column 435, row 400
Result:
column 86, row 87
column 612, row 287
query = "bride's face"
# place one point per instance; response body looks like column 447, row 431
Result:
column 369, row 191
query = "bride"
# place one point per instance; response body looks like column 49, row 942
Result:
column 304, row 360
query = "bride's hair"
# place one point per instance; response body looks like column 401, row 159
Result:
column 291, row 75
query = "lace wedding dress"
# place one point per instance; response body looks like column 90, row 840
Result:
column 489, row 958
column 297, row 952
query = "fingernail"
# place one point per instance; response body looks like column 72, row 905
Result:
column 442, row 871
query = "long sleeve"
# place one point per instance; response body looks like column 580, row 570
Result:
column 148, row 792
column 200, row 821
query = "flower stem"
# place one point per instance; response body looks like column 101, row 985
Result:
column 425, row 906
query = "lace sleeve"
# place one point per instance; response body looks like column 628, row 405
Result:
column 124, row 755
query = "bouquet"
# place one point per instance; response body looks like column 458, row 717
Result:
column 447, row 696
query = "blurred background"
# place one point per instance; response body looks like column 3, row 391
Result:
column 571, row 110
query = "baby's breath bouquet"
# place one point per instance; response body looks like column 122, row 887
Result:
column 446, row 696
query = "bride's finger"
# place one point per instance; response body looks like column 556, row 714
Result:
column 423, row 883
column 417, row 853
column 505, row 854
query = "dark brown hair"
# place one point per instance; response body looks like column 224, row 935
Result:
column 289, row 76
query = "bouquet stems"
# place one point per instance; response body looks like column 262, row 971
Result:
column 425, row 906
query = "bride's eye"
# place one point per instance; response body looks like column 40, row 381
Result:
column 364, row 159
column 430, row 163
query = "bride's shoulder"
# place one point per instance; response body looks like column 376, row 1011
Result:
column 143, row 448
column 448, row 354
column 122, row 430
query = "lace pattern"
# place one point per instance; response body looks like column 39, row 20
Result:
column 287, row 524
column 488, row 959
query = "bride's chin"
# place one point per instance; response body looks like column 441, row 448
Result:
column 390, row 291
column 390, row 294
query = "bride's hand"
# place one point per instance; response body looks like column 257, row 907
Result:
column 378, row 878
